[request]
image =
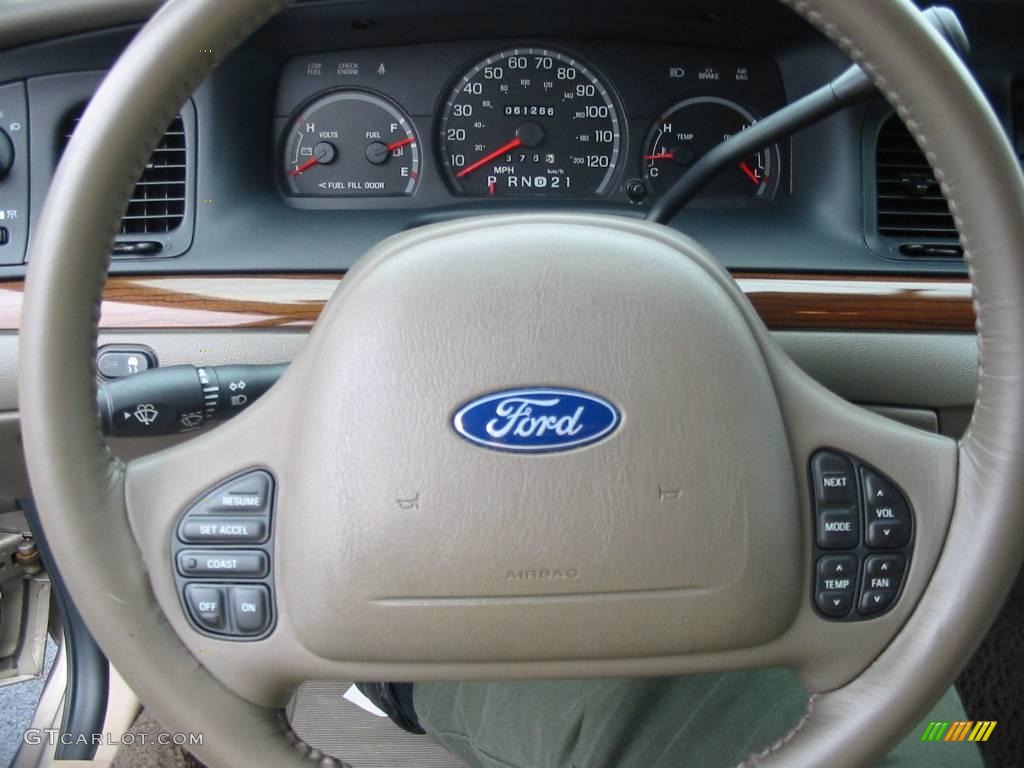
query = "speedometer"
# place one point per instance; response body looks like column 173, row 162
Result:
column 530, row 121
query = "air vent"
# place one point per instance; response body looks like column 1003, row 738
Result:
column 910, row 203
column 157, row 206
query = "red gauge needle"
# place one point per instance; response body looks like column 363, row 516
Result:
column 745, row 167
column 660, row 156
column 516, row 142
column 402, row 143
column 306, row 166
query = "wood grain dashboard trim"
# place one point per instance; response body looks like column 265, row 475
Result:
column 784, row 301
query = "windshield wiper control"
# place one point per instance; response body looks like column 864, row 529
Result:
column 180, row 398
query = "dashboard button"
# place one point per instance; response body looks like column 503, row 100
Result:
column 249, row 609
column 888, row 534
column 206, row 604
column 837, row 567
column 119, row 363
column 834, row 479
column 248, row 493
column 202, row 529
column 885, row 565
column 223, row 563
column 874, row 601
column 834, row 603
column 838, row 528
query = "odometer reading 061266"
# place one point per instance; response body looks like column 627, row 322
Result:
column 529, row 121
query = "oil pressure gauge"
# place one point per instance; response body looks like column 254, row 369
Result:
column 350, row 143
column 687, row 130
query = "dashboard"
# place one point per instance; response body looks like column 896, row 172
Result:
column 339, row 124
column 440, row 124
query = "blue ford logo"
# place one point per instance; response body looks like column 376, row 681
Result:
column 536, row 420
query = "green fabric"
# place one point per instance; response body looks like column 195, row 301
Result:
column 697, row 721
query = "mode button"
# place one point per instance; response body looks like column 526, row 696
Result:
column 838, row 528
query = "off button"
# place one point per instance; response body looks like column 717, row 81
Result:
column 206, row 604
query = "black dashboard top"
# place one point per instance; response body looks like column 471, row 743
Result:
column 410, row 112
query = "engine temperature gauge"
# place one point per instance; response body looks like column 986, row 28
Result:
column 688, row 130
column 351, row 143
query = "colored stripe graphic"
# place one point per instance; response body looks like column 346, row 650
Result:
column 983, row 730
column 959, row 730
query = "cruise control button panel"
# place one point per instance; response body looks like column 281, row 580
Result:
column 863, row 537
column 222, row 556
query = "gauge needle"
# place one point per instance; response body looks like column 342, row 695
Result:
column 660, row 156
column 398, row 144
column 745, row 167
column 306, row 166
column 516, row 142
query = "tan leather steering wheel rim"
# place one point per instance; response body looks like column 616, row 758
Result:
column 80, row 487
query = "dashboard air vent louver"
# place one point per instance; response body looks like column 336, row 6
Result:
column 910, row 203
column 157, row 205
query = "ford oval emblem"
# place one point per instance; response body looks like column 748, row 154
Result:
column 536, row 420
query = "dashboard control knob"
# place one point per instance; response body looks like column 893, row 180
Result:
column 6, row 154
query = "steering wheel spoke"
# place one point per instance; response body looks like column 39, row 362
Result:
column 876, row 498
column 205, row 514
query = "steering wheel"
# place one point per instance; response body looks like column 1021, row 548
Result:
column 686, row 540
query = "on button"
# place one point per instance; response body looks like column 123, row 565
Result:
column 249, row 609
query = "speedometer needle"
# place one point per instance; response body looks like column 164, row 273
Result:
column 516, row 142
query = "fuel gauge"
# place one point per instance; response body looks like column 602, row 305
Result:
column 351, row 143
column 688, row 130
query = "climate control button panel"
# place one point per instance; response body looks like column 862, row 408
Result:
column 863, row 537
column 222, row 556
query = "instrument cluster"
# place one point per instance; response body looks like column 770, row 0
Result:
column 445, row 124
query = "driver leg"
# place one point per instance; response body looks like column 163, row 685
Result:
column 698, row 721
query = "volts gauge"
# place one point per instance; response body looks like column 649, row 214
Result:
column 351, row 143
